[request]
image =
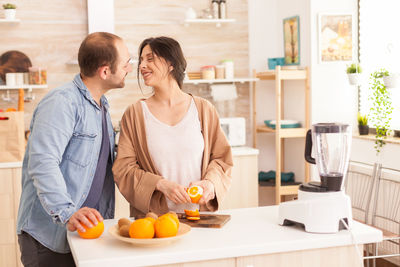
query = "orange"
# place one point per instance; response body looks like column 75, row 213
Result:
column 192, row 213
column 93, row 232
column 173, row 216
column 195, row 192
column 166, row 226
column 10, row 110
column 151, row 219
column 193, row 218
column 141, row 228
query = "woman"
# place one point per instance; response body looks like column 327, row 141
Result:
column 171, row 140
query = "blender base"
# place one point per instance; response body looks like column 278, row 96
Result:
column 319, row 212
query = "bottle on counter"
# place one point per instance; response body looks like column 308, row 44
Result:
column 222, row 9
column 215, row 9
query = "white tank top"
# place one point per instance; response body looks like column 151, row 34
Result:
column 177, row 151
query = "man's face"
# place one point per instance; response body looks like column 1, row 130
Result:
column 123, row 66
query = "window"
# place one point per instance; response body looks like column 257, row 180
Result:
column 379, row 27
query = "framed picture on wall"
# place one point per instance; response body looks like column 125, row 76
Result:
column 291, row 40
column 335, row 37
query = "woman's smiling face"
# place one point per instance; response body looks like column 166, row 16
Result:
column 154, row 69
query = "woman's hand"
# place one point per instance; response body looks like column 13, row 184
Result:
column 84, row 216
column 208, row 191
column 173, row 191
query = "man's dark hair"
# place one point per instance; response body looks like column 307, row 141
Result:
column 98, row 50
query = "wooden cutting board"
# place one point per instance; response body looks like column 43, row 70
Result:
column 206, row 220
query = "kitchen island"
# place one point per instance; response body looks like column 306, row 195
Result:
column 251, row 238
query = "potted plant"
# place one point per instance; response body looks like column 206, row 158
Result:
column 381, row 110
column 354, row 73
column 363, row 127
column 9, row 11
column 391, row 80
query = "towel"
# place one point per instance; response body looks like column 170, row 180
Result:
column 267, row 176
column 222, row 92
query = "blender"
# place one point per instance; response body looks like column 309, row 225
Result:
column 323, row 207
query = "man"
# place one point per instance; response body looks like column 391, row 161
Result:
column 66, row 175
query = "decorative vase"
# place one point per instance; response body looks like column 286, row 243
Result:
column 190, row 13
column 354, row 78
column 363, row 129
column 10, row 13
column 392, row 81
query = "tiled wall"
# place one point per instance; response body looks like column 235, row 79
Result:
column 50, row 34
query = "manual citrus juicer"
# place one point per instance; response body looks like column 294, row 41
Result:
column 323, row 207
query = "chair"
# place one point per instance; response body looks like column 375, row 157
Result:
column 386, row 214
column 359, row 183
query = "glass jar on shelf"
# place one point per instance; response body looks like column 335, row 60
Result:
column 219, row 72
column 208, row 72
column 37, row 75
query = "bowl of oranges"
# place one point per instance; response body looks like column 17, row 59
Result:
column 152, row 230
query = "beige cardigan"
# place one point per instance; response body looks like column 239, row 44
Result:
column 136, row 175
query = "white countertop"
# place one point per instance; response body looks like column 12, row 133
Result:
column 244, row 151
column 251, row 231
column 7, row 165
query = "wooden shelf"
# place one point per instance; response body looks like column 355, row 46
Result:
column 235, row 80
column 286, row 190
column 284, row 132
column 272, row 183
column 15, row 21
column 284, row 75
column 24, row 86
column 278, row 75
column 218, row 22
column 74, row 62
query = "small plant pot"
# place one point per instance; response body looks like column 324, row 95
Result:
column 354, row 78
column 392, row 81
column 10, row 13
column 363, row 129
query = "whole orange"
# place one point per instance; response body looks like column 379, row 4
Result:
column 173, row 216
column 151, row 219
column 166, row 226
column 92, row 233
column 141, row 228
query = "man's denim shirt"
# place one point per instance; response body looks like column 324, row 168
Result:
column 60, row 162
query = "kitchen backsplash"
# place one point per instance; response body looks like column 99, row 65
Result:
column 51, row 39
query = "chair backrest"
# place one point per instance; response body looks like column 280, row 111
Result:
column 386, row 210
column 359, row 183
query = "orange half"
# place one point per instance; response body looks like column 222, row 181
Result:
column 193, row 218
column 195, row 192
column 192, row 213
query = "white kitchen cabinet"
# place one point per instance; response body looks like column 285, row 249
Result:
column 244, row 188
column 10, row 191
